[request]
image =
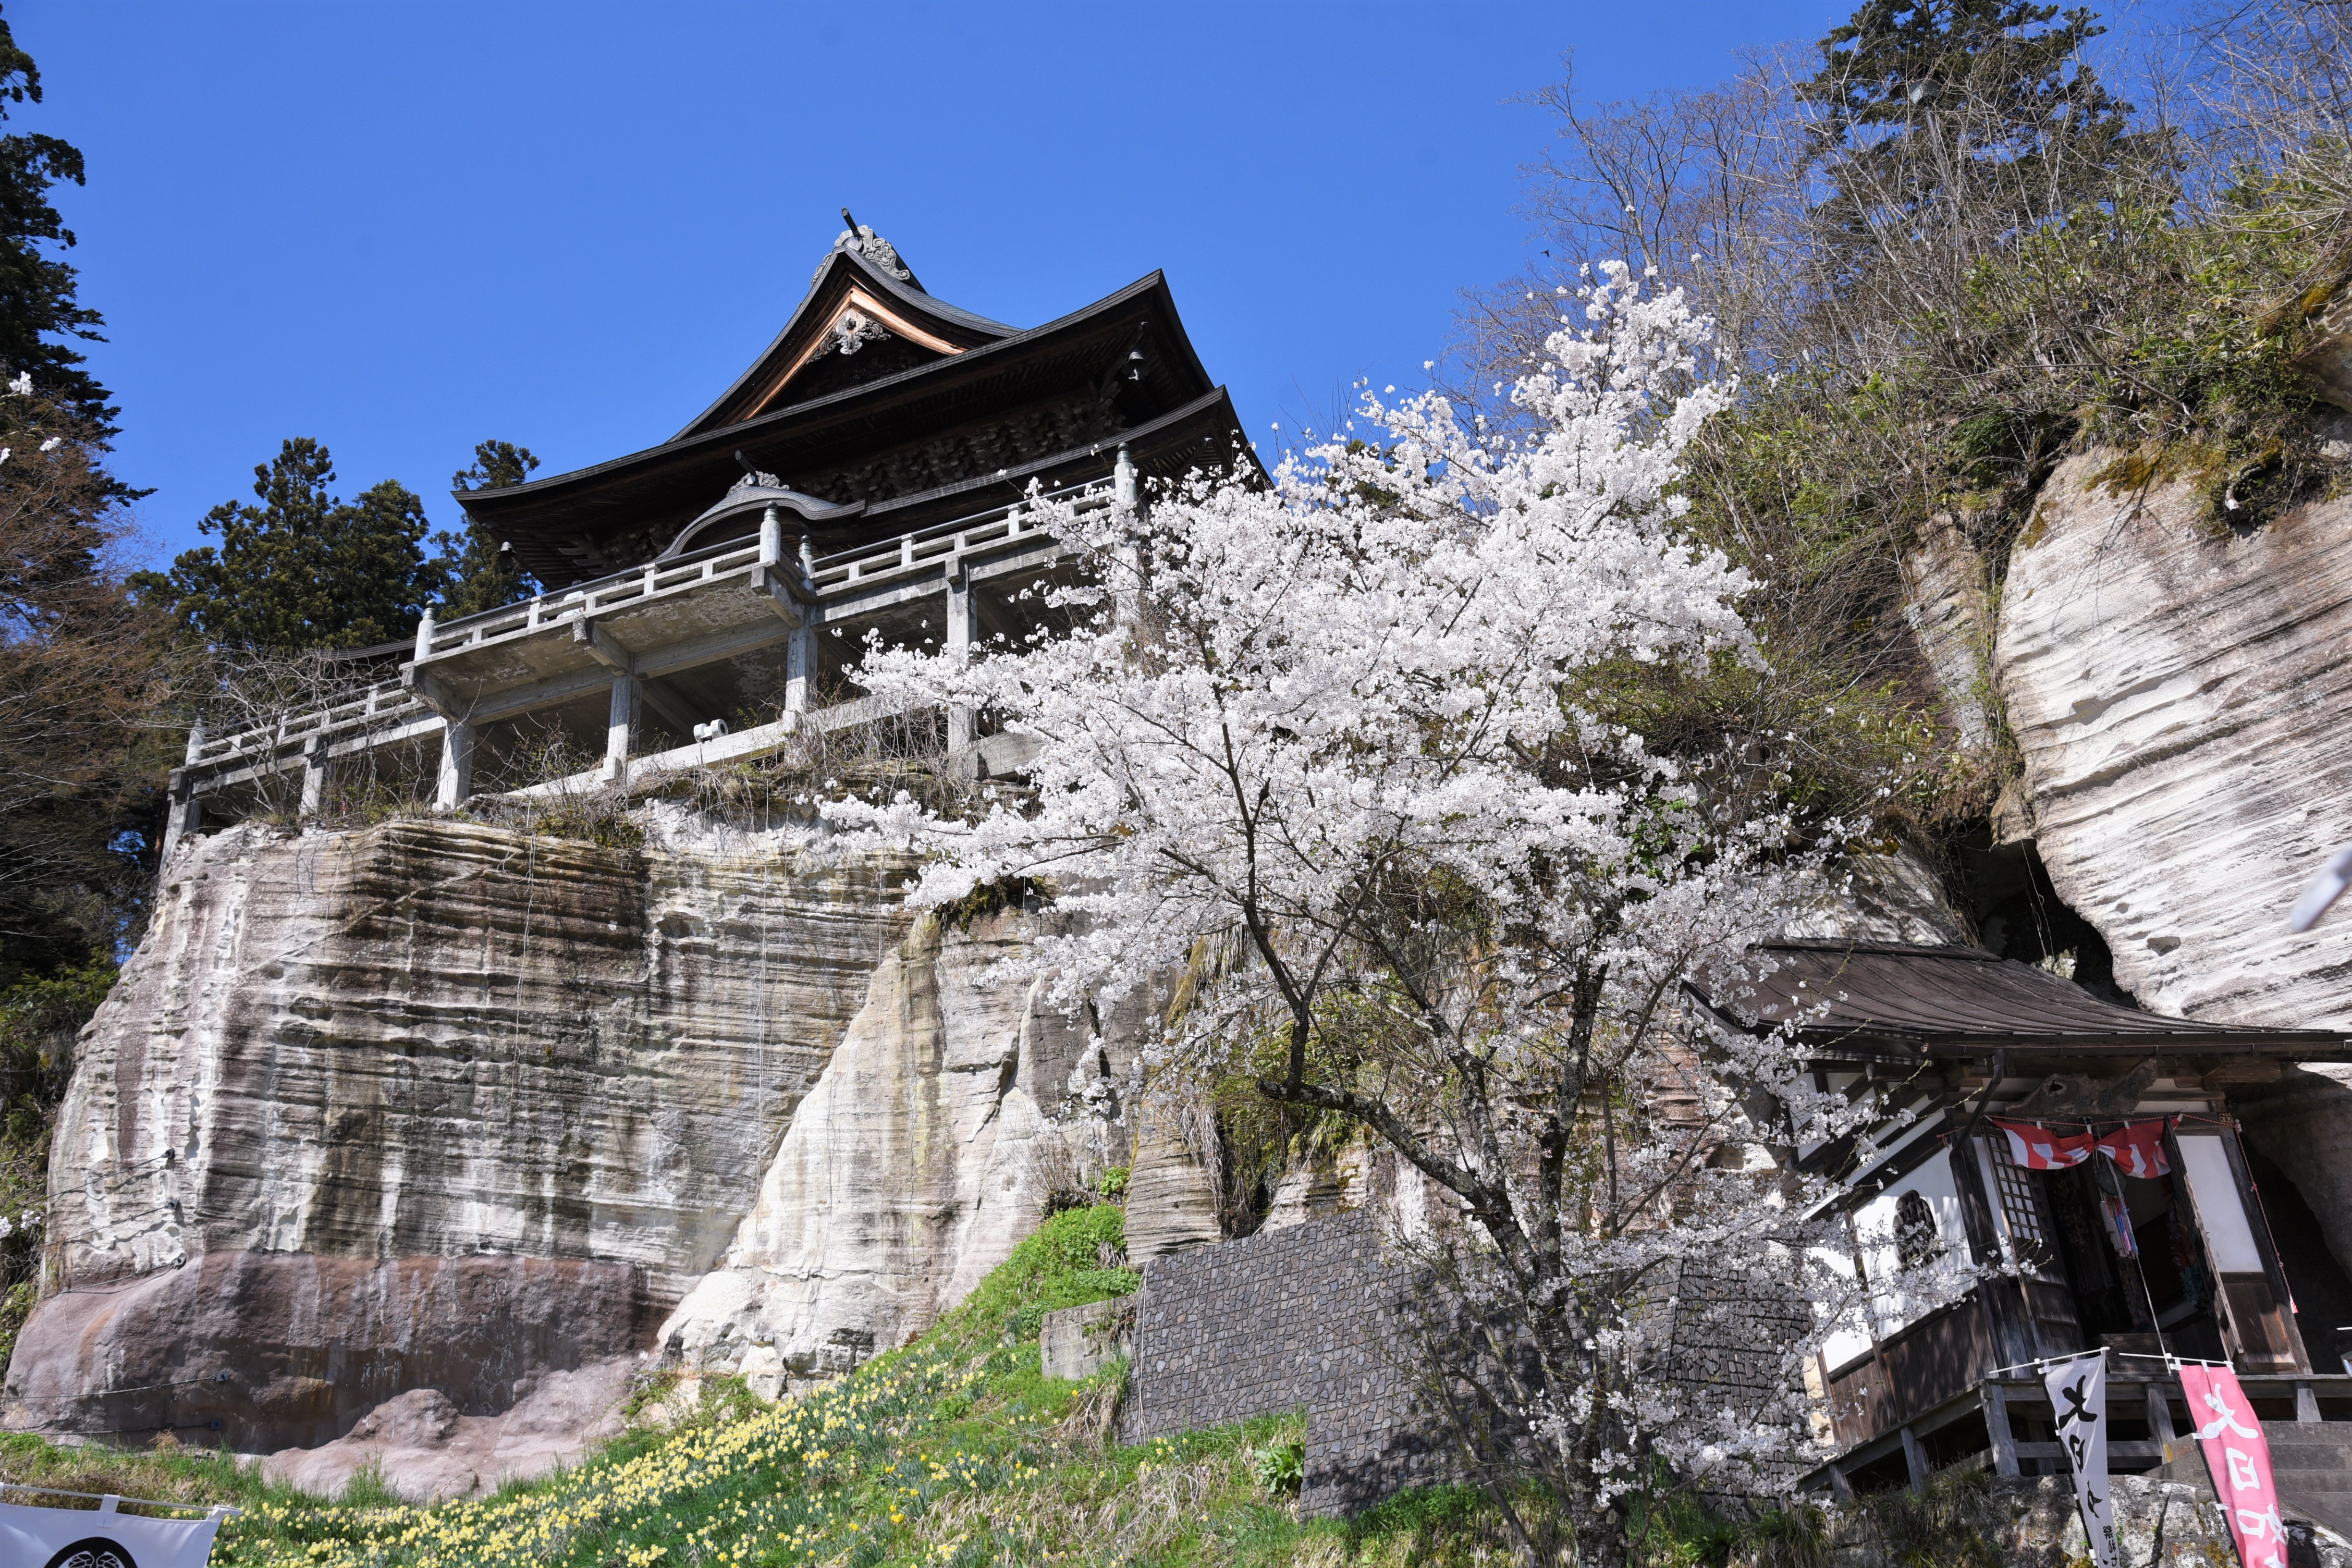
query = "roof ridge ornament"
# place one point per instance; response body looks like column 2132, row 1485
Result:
column 861, row 240
column 753, row 478
column 853, row 329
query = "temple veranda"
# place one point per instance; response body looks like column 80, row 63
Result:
column 622, row 654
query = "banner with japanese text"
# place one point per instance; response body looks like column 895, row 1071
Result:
column 2222, row 1419
column 2078, row 1395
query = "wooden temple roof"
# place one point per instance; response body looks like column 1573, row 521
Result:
column 1910, row 999
column 890, row 410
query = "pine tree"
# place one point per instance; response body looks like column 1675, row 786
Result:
column 303, row 569
column 480, row 569
column 37, row 289
column 1978, row 114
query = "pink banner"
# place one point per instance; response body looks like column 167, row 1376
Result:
column 2222, row 1419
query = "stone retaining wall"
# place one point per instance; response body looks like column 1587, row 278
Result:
column 1305, row 1316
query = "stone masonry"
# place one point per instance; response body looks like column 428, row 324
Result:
column 1308, row 1316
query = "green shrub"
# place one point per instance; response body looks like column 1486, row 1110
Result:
column 1280, row 1467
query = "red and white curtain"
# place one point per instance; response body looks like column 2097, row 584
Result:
column 2138, row 1148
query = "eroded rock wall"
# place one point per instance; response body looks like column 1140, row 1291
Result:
column 435, row 1105
column 2181, row 698
column 924, row 1154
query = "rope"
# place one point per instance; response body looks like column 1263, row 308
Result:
column 226, row 1511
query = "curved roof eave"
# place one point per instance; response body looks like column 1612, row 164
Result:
column 1013, row 480
column 985, row 353
column 912, row 298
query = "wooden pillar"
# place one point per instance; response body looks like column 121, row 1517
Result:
column 2004, row 1442
column 1914, row 1460
column 771, row 540
column 314, row 776
column 1126, row 493
column 963, row 627
column 183, row 816
column 2160, row 1417
column 457, row 781
column 1840, row 1487
column 621, row 728
column 800, row 668
column 424, row 637
column 1123, row 488
column 2307, row 1403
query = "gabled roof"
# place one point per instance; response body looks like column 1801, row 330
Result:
column 854, row 300
column 1964, row 1000
column 1127, row 355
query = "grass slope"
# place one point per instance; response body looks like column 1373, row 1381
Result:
column 955, row 1449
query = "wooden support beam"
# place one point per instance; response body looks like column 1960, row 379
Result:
column 621, row 728
column 427, row 691
column 455, row 783
column 184, row 816
column 314, row 776
column 800, row 669
column 549, row 693
column 675, row 714
column 711, row 647
column 2307, row 1403
column 963, row 723
column 1997, row 1427
column 768, row 584
column 2159, row 1415
column 1914, row 1460
column 600, row 646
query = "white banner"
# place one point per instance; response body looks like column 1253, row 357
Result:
column 100, row 1538
column 2078, row 1394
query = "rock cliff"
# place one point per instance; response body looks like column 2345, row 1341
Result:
column 2178, row 694
column 2181, row 698
column 434, row 1105
column 952, row 1109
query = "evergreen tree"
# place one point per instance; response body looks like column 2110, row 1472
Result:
column 1974, row 114
column 479, row 569
column 37, row 289
column 303, row 569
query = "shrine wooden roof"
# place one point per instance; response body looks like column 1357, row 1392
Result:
column 938, row 413
column 1952, row 1000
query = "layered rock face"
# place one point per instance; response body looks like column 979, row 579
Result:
column 2182, row 699
column 437, row 1106
column 953, row 1107
column 2178, row 696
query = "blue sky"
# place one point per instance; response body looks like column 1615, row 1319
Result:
column 403, row 229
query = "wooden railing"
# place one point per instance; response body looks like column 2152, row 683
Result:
column 387, row 704
column 382, row 704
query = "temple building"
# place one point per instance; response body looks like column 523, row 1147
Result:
column 2142, row 1217
column 704, row 597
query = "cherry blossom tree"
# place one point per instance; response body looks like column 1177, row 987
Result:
column 1359, row 755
